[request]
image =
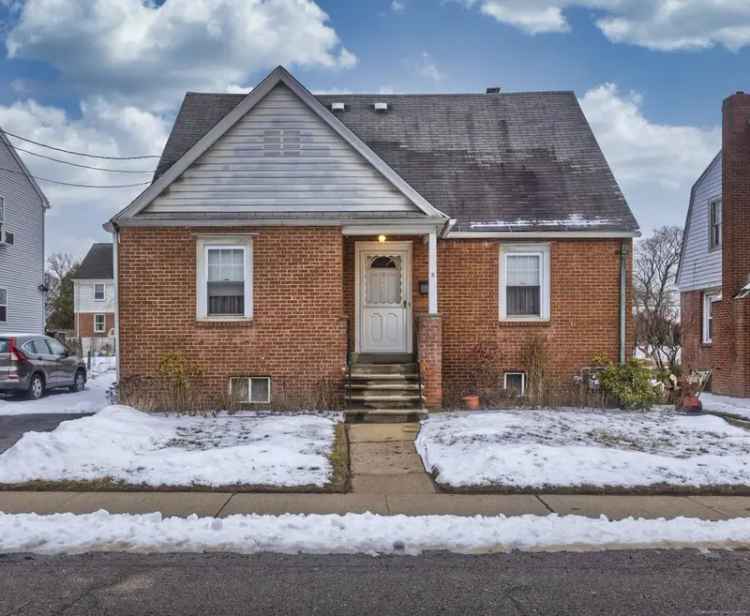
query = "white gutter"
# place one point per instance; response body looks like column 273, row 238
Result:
column 541, row 234
column 116, row 299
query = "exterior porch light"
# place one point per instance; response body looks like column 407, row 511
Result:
column 382, row 238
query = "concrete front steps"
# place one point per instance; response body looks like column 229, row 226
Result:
column 384, row 388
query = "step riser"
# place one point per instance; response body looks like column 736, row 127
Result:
column 385, row 369
column 381, row 391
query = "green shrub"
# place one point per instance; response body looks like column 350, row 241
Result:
column 629, row 385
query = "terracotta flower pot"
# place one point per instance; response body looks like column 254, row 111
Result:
column 471, row 402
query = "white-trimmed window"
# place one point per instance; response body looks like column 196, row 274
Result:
column 514, row 383
column 100, row 292
column 225, row 278
column 709, row 301
column 3, row 305
column 524, row 282
column 100, row 323
column 714, row 219
column 254, row 389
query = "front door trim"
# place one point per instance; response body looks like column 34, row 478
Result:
column 367, row 247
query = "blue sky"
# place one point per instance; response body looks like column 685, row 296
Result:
column 106, row 76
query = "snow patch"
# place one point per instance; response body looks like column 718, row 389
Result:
column 740, row 407
column 367, row 533
column 123, row 444
column 584, row 448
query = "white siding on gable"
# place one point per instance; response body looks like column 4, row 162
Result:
column 700, row 267
column 22, row 264
column 281, row 157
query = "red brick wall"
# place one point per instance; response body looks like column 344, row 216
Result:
column 85, row 321
column 695, row 354
column 584, row 309
column 731, row 356
column 297, row 335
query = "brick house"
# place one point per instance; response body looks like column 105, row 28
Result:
column 714, row 271
column 292, row 245
column 94, row 299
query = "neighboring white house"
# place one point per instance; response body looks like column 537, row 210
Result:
column 22, row 210
column 94, row 300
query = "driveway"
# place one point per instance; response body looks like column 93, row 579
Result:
column 13, row 427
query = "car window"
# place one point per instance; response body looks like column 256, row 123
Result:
column 55, row 346
column 30, row 347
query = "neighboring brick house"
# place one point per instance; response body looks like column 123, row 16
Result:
column 290, row 239
column 714, row 272
column 94, row 299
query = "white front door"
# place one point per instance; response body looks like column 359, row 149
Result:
column 384, row 297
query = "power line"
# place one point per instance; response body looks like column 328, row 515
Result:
column 66, row 162
column 36, row 177
column 51, row 147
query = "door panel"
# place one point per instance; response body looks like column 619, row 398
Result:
column 384, row 300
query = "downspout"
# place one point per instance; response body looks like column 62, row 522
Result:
column 116, row 298
column 624, row 252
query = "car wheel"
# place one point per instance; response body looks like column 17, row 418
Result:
column 79, row 382
column 36, row 387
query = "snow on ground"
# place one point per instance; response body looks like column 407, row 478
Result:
column 740, row 407
column 538, row 448
column 367, row 533
column 90, row 400
column 126, row 445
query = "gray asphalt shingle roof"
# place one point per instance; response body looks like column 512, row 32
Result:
column 494, row 162
column 97, row 264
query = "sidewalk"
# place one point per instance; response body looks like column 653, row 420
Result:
column 387, row 478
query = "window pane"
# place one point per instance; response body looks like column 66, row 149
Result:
column 226, row 287
column 239, row 390
column 55, row 347
column 523, row 301
column 3, row 314
column 259, row 390
column 523, row 270
column 514, row 383
column 3, row 297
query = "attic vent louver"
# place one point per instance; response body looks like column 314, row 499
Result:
column 381, row 107
column 493, row 90
column 338, row 107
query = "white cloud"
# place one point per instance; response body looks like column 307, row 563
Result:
column 665, row 25
column 656, row 164
column 426, row 67
column 105, row 129
column 135, row 50
column 398, row 7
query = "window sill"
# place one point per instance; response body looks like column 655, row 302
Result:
column 524, row 323
column 707, row 345
column 224, row 322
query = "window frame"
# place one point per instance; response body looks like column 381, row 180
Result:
column 4, row 305
column 707, row 315
column 715, row 205
column 249, row 380
column 228, row 242
column 517, row 249
column 103, row 298
column 104, row 323
column 523, row 381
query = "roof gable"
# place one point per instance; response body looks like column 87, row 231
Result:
column 23, row 169
column 279, row 77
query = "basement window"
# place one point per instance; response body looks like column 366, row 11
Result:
column 514, row 383
column 253, row 390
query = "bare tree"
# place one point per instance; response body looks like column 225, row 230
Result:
column 656, row 297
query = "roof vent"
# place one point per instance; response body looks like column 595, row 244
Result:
column 493, row 90
column 338, row 107
column 381, row 107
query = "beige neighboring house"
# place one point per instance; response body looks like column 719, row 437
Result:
column 94, row 300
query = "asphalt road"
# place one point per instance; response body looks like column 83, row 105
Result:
column 12, row 427
column 607, row 583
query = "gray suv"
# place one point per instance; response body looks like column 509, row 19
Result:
column 32, row 364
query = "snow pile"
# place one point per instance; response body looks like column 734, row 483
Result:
column 61, row 401
column 561, row 448
column 123, row 444
column 739, row 407
column 352, row 533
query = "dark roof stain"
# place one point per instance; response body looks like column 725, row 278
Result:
column 97, row 264
column 494, row 162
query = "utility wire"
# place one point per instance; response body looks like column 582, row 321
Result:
column 66, row 162
column 36, row 177
column 51, row 147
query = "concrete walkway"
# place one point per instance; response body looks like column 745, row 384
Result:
column 387, row 478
